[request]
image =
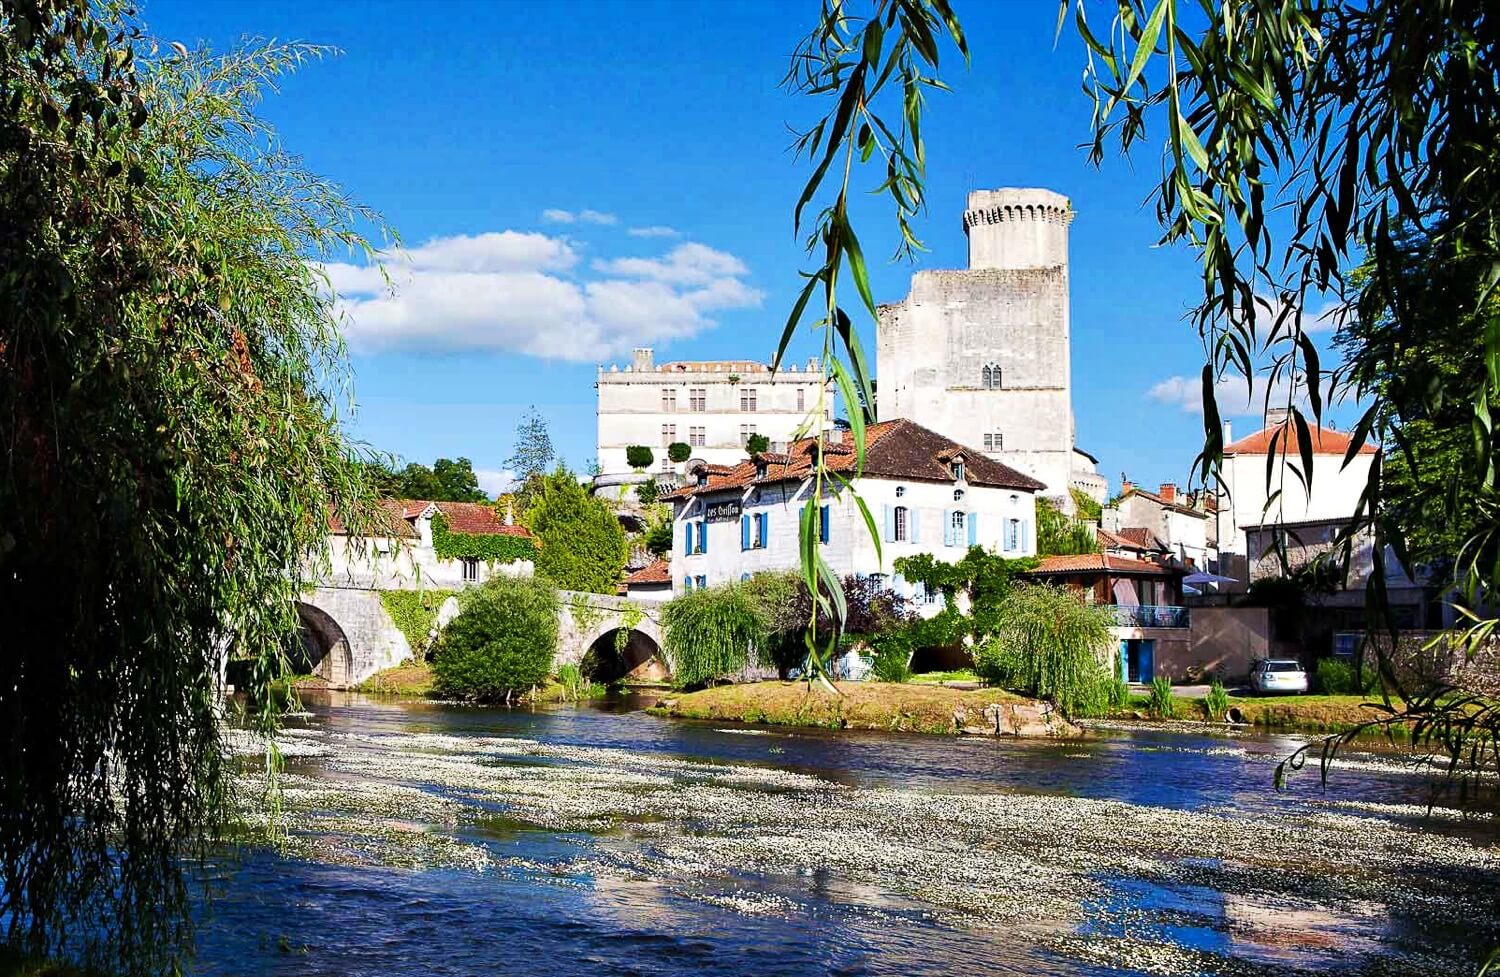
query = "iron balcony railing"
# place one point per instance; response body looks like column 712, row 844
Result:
column 1151, row 616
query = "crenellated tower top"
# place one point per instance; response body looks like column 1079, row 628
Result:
column 1017, row 228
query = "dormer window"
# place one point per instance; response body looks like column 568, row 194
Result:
column 702, row 477
column 760, row 468
column 958, row 469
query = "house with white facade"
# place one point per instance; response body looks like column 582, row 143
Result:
column 1173, row 518
column 713, row 406
column 1332, row 496
column 926, row 493
column 399, row 552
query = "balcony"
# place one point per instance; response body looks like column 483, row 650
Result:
column 1151, row 616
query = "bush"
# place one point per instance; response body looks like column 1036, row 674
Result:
column 1048, row 643
column 679, row 452
column 710, row 634
column 1216, row 702
column 647, row 491
column 639, row 456
column 1160, row 704
column 893, row 651
column 582, row 544
column 1119, row 694
column 502, row 641
column 1334, row 677
column 757, row 443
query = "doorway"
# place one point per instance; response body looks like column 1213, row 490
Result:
column 1136, row 659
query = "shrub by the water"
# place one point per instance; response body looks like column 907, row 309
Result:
column 1119, row 693
column 893, row 651
column 1216, row 702
column 1335, row 677
column 1160, row 704
column 712, row 633
column 1050, row 644
column 502, row 641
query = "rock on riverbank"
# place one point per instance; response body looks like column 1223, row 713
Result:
column 873, row 705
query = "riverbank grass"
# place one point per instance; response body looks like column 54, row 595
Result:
column 1310, row 713
column 860, row 705
column 410, row 678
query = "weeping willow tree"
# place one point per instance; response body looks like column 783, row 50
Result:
column 1051, row 645
column 713, row 633
column 170, row 377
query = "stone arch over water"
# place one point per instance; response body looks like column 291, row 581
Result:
column 325, row 646
column 639, row 659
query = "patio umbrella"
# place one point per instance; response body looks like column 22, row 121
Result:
column 1194, row 579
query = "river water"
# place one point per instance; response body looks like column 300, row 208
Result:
column 432, row 839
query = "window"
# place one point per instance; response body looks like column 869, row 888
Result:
column 994, row 441
column 824, row 529
column 901, row 517
column 471, row 570
column 989, row 377
column 1013, row 535
column 958, row 470
column 927, row 593
column 687, row 584
column 958, row 521
column 900, row 491
column 801, row 399
column 958, row 495
column 668, row 434
column 762, row 530
column 702, row 583
column 666, row 464
column 669, row 400
column 696, row 437
column 698, row 399
column 747, row 399
column 755, row 531
column 984, row 378
column 745, row 431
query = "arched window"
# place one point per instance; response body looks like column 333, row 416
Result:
column 984, row 378
column 992, row 376
column 899, row 529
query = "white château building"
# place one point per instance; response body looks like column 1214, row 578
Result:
column 711, row 405
column 981, row 355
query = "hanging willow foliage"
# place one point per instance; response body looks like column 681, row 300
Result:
column 170, row 374
column 1052, row 645
column 712, row 634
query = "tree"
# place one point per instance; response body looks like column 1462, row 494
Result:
column 638, row 456
column 457, row 481
column 983, row 579
column 533, row 454
column 582, row 544
column 1058, row 534
column 647, row 491
column 1052, row 645
column 679, row 452
column 170, row 369
column 711, row 634
column 502, row 641
column 757, row 443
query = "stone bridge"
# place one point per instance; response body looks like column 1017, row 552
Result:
column 349, row 636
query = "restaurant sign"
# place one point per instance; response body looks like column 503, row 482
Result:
column 722, row 511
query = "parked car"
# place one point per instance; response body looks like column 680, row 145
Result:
column 1278, row 675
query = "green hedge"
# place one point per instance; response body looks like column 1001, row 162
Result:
column 414, row 612
column 490, row 548
column 503, row 640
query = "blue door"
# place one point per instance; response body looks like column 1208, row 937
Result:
column 1124, row 661
column 1147, row 653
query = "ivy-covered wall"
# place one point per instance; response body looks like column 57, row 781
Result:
column 473, row 546
column 413, row 612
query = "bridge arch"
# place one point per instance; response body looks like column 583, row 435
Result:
column 625, row 655
column 589, row 637
column 325, row 647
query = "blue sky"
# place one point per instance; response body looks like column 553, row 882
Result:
column 570, row 175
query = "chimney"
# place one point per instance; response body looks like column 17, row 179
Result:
column 1109, row 519
column 1125, row 484
column 642, row 362
column 1228, row 433
column 1277, row 416
column 510, row 512
column 1168, row 492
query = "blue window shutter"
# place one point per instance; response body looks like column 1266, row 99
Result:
column 687, row 584
column 972, row 519
column 702, row 539
column 890, row 525
column 687, row 538
column 947, row 527
column 745, row 577
column 744, row 532
column 823, row 527
column 765, row 529
column 914, row 524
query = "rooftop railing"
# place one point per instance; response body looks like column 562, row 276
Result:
column 1151, row 616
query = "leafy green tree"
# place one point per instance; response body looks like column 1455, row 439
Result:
column 639, row 456
column 582, row 544
column 1050, row 644
column 417, row 481
column 503, row 640
column 170, row 364
column 711, row 634
column 533, row 454
column 1058, row 534
column 458, row 481
column 757, row 443
column 679, row 452
column 983, row 579
column 647, row 491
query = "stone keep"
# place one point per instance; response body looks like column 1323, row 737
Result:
column 982, row 355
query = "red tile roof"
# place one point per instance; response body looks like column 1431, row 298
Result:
column 477, row 519
column 658, row 571
column 1143, row 538
column 1101, row 562
column 398, row 515
column 1325, row 441
column 893, row 449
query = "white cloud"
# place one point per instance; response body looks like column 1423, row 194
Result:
column 1233, row 397
column 552, row 215
column 521, row 292
column 654, row 230
column 493, row 481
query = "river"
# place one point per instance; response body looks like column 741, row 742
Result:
column 433, row 839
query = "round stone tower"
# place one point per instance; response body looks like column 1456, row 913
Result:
column 1015, row 228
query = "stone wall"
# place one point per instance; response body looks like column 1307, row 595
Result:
column 372, row 638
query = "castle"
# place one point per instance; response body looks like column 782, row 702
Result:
column 981, row 355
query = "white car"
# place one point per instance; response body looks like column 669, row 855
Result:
column 1278, row 675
